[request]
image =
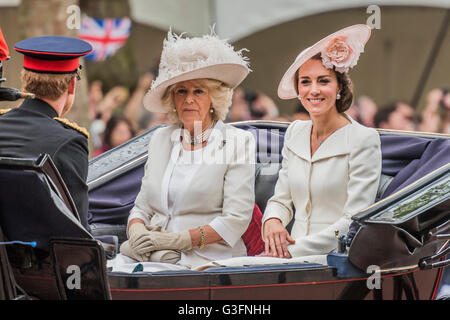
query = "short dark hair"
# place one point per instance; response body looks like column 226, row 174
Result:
column 383, row 114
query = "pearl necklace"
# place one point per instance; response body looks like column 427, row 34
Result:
column 199, row 139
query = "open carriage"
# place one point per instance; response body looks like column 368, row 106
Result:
column 397, row 248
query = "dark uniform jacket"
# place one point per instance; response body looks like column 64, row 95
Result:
column 30, row 130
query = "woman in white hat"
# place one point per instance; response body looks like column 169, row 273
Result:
column 197, row 194
column 331, row 164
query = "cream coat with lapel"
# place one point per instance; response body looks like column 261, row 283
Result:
column 326, row 190
column 221, row 192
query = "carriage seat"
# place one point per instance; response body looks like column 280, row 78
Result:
column 36, row 206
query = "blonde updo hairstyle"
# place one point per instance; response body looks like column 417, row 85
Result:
column 219, row 93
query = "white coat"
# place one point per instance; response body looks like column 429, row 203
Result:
column 219, row 193
column 338, row 181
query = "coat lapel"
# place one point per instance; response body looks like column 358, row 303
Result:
column 335, row 145
column 168, row 155
column 299, row 143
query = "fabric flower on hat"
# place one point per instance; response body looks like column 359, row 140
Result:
column 342, row 54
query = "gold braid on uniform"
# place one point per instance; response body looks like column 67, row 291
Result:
column 3, row 111
column 73, row 126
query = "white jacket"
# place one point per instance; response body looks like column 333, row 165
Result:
column 220, row 193
column 339, row 180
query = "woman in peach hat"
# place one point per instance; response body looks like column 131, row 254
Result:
column 331, row 164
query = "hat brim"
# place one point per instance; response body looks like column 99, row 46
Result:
column 286, row 87
column 232, row 74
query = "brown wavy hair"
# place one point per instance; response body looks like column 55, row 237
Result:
column 46, row 85
column 345, row 85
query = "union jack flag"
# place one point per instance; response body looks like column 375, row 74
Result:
column 105, row 35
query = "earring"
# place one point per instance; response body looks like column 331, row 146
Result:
column 338, row 96
column 174, row 110
column 211, row 110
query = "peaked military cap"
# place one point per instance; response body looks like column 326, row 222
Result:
column 52, row 54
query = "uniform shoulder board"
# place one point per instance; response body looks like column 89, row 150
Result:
column 3, row 111
column 73, row 126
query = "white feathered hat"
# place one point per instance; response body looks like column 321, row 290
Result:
column 206, row 57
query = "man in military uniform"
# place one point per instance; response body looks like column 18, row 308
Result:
column 51, row 70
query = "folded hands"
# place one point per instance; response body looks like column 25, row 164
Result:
column 144, row 240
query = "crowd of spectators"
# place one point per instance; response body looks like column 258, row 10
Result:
column 118, row 116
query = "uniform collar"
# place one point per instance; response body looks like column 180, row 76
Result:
column 39, row 106
column 336, row 144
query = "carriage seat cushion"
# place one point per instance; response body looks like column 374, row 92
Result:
column 252, row 236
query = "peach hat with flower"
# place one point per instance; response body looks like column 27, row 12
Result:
column 340, row 50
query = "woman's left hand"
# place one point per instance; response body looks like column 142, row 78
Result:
column 276, row 239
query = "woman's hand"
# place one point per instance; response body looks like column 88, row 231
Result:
column 136, row 231
column 276, row 239
column 162, row 240
column 126, row 249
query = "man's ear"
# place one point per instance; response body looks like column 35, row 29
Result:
column 72, row 85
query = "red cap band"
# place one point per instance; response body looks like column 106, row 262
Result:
column 61, row 66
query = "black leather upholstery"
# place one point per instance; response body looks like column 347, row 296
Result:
column 80, row 269
column 32, row 207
